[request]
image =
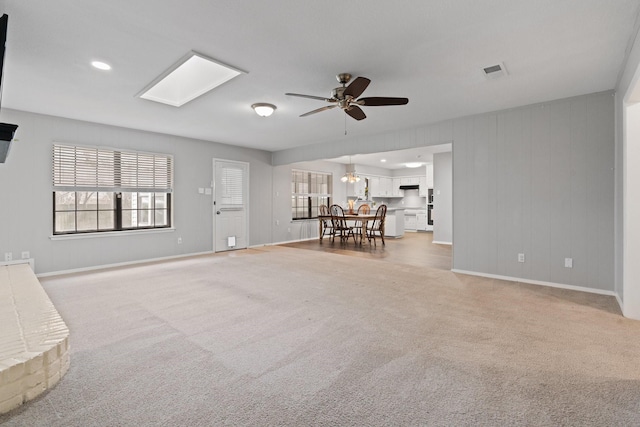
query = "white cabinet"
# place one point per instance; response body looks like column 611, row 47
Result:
column 429, row 176
column 374, row 187
column 421, row 222
column 409, row 180
column 423, row 190
column 394, row 224
column 410, row 222
column 395, row 187
column 385, row 186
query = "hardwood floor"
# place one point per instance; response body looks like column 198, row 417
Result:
column 413, row 249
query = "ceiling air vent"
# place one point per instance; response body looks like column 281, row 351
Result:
column 495, row 71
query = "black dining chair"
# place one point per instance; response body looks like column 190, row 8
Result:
column 325, row 221
column 375, row 228
column 340, row 226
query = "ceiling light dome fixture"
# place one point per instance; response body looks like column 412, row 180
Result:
column 413, row 165
column 263, row 109
column 101, row 65
column 350, row 176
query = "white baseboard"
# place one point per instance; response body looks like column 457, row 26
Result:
column 120, row 264
column 284, row 242
column 438, row 242
column 619, row 302
column 536, row 282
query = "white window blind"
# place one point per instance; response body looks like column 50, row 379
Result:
column 103, row 169
column 232, row 188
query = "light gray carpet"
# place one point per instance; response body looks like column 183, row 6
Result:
column 287, row 337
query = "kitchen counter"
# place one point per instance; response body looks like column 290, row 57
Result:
column 394, row 223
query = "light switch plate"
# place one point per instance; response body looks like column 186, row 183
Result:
column 568, row 262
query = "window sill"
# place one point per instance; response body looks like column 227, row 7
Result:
column 110, row 234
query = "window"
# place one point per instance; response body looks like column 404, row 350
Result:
column 98, row 189
column 308, row 191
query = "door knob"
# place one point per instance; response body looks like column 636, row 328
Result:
column 217, row 212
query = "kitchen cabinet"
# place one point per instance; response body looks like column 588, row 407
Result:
column 395, row 187
column 422, row 191
column 374, row 187
column 385, row 186
column 394, row 223
column 409, row 180
column 429, row 176
column 410, row 222
column 421, row 222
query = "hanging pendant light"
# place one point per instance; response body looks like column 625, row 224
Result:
column 350, row 176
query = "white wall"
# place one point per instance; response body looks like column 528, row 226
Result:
column 627, row 247
column 26, row 188
column 631, row 212
column 442, row 198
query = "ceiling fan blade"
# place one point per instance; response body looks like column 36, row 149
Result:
column 355, row 112
column 328, row 107
column 357, row 86
column 319, row 98
column 379, row 101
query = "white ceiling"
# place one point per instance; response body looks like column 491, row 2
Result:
column 395, row 159
column 431, row 51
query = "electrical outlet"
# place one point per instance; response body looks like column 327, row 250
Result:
column 26, row 255
column 8, row 256
column 520, row 257
column 568, row 262
column 179, row 240
column 277, row 222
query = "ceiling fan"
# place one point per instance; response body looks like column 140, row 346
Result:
column 345, row 97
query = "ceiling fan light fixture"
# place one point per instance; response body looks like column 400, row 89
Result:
column 263, row 109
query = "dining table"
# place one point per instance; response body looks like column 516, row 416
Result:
column 356, row 218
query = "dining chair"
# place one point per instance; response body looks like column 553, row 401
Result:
column 375, row 228
column 325, row 221
column 364, row 209
column 340, row 226
column 357, row 228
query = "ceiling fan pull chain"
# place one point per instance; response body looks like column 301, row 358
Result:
column 345, row 124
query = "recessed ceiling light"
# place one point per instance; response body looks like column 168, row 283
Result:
column 192, row 76
column 101, row 65
column 413, row 165
column 383, row 160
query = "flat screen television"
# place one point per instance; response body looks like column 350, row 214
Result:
column 7, row 131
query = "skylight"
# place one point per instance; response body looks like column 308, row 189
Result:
column 192, row 76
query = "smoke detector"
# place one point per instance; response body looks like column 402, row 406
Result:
column 495, row 71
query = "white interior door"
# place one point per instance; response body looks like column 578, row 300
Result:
column 230, row 219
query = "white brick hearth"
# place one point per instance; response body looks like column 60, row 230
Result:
column 34, row 340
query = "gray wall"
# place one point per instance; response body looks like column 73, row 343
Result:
column 443, row 198
column 286, row 230
column 537, row 180
column 25, row 185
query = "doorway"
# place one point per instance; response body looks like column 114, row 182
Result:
column 230, row 205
